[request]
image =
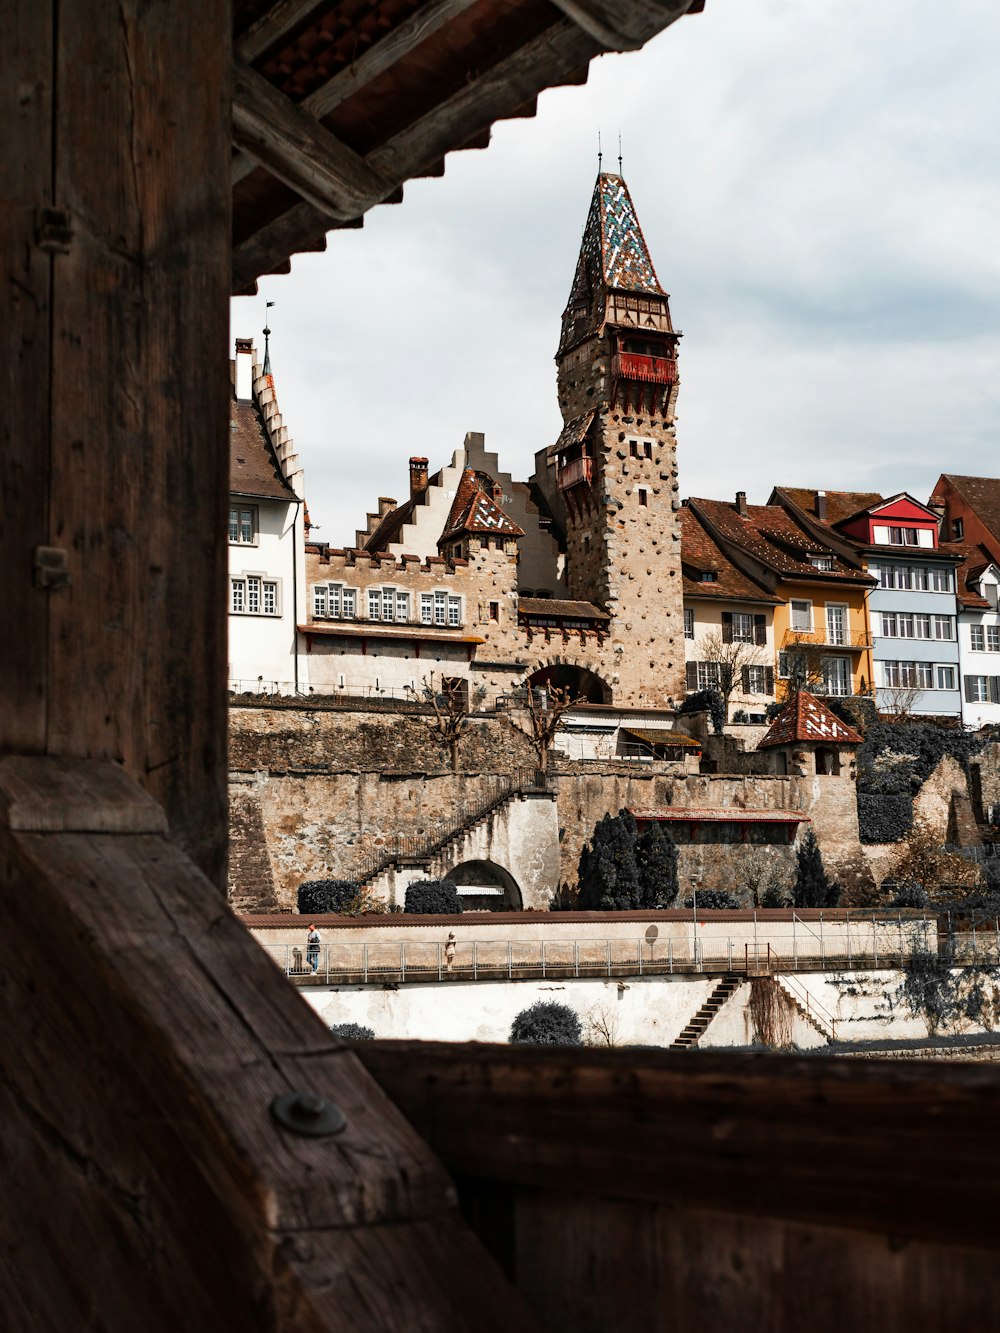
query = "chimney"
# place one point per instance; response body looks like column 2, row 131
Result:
column 244, row 369
column 741, row 504
column 821, row 505
column 418, row 477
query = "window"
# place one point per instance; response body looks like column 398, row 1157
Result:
column 708, row 675
column 919, row 575
column 836, row 624
column 978, row 639
column 643, row 497
column 925, row 675
column 742, row 627
column 941, row 580
column 802, row 615
column 633, row 448
column 374, row 603
column 921, row 626
column 426, row 608
column 903, row 536
column 253, row 595
column 945, row 677
column 957, row 529
column 402, row 606
column 756, row 680
column 944, row 627
column 905, row 621
column 709, row 576
column 993, row 638
column 689, row 624
column 440, row 608
column 388, row 604
column 349, row 602
column 243, row 525
column 792, row 665
column 494, row 610
column 890, row 626
column 977, row 689
column 454, row 611
column 837, row 676
column 904, row 576
column 319, row 603
column 822, row 562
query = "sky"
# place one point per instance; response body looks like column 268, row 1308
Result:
column 818, row 184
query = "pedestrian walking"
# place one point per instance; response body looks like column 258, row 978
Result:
column 312, row 948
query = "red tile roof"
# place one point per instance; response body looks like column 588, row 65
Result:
column 974, row 561
column 560, row 610
column 700, row 553
column 772, row 536
column 805, row 718
column 840, row 505
column 728, row 814
column 982, row 495
column 476, row 511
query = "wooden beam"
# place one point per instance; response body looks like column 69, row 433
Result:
column 278, row 18
column 619, row 25
column 147, row 1182
column 388, row 51
column 835, row 1142
column 327, row 174
column 559, row 52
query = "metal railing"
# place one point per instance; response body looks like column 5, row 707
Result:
column 814, row 1009
column 501, row 788
column 501, row 958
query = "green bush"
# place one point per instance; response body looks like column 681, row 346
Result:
column 713, row 900
column 884, row 818
column 707, row 701
column 547, row 1023
column 318, row 896
column 432, row 897
column 352, row 1032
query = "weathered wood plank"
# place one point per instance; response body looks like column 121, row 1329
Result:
column 767, row 1136
column 26, row 77
column 300, row 152
column 137, row 649
column 134, row 1108
column 74, row 796
column 394, row 46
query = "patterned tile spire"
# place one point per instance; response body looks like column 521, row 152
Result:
column 614, row 251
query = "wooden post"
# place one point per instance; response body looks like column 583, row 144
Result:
column 114, row 437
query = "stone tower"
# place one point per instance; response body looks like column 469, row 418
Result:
column 614, row 466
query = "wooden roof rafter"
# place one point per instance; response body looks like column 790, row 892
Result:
column 304, row 165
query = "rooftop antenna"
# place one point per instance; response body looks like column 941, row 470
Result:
column 619, row 155
column 266, row 369
column 600, row 155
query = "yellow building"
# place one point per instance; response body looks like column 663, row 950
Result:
column 822, row 634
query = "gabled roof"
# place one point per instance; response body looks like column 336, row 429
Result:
column 254, row 469
column 555, row 609
column 700, row 553
column 771, row 535
column 475, row 511
column 391, row 526
column 840, row 505
column 975, row 560
column 805, row 718
column 981, row 494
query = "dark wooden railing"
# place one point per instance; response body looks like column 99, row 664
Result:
column 648, row 369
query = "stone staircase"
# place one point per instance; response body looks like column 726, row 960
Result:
column 695, row 1029
column 819, row 1020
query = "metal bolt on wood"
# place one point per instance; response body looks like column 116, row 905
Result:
column 308, row 1113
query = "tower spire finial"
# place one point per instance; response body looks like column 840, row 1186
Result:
column 600, row 155
column 266, row 368
column 619, row 154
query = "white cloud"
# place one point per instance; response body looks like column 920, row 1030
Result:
column 818, row 186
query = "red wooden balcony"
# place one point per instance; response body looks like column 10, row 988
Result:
column 575, row 473
column 649, row 369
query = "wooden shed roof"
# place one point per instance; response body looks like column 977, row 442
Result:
column 336, row 105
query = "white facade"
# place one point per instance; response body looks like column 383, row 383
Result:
column 979, row 654
column 267, row 584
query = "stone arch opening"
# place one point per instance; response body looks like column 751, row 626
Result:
column 498, row 889
column 582, row 684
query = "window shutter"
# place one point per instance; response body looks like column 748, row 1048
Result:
column 692, row 675
column 995, row 689
column 968, row 689
column 769, row 679
column 727, row 627
column 760, row 630
column 746, row 680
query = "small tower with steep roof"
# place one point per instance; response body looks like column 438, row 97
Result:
column 612, row 474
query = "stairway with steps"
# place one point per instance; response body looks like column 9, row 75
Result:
column 695, row 1029
column 828, row 1033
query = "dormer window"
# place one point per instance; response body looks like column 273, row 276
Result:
column 709, row 576
column 957, row 529
column 823, row 563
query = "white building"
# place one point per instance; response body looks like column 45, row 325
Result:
column 979, row 638
column 265, row 533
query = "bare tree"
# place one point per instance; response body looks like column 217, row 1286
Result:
column 545, row 707
column 734, row 659
column 895, row 703
column 451, row 705
column 603, row 1025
